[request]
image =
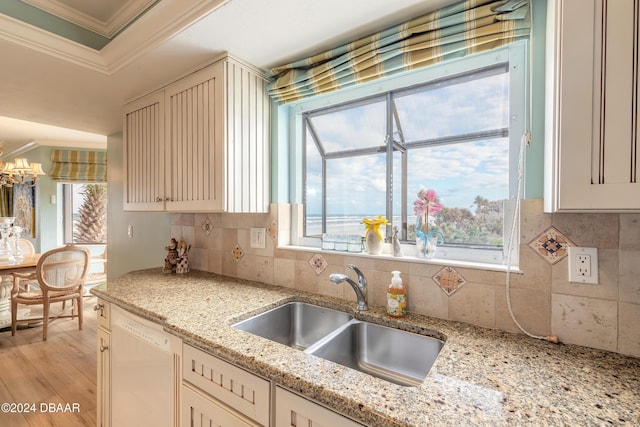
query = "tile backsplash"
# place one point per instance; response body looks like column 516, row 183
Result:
column 602, row 316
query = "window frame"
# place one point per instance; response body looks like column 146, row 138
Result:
column 514, row 56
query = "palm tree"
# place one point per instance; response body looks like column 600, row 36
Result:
column 92, row 225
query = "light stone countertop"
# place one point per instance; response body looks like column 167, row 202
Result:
column 482, row 377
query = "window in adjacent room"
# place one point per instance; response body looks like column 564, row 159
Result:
column 85, row 216
column 457, row 131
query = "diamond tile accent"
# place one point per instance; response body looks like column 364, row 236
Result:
column 551, row 245
column 272, row 231
column 318, row 263
column 237, row 253
column 207, row 226
column 449, row 280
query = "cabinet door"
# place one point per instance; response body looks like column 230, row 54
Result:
column 591, row 151
column 199, row 410
column 143, row 146
column 194, row 138
column 103, row 384
column 247, row 154
column 296, row 411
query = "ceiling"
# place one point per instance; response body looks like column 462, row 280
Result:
column 55, row 88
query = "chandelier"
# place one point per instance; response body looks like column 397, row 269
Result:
column 20, row 172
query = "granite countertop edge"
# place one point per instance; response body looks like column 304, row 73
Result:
column 481, row 376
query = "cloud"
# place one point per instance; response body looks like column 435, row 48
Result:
column 458, row 172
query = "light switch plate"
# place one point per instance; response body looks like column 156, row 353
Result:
column 257, row 238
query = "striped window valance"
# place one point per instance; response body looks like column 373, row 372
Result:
column 79, row 166
column 454, row 31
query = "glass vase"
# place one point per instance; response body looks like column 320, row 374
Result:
column 431, row 247
column 427, row 243
column 6, row 253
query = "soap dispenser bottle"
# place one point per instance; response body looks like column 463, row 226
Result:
column 396, row 296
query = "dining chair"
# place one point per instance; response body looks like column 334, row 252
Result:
column 27, row 249
column 100, row 275
column 60, row 274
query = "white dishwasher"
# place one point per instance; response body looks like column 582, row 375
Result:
column 142, row 372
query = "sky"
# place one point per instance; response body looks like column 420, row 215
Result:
column 458, row 172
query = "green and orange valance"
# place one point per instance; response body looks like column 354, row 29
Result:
column 454, row 31
column 79, row 166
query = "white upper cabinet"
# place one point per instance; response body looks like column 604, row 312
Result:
column 144, row 150
column 193, row 135
column 591, row 148
column 200, row 144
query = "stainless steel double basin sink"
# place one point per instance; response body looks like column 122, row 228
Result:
column 391, row 354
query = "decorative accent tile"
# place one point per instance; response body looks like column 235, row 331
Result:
column 207, row 226
column 272, row 231
column 237, row 252
column 318, row 263
column 551, row 245
column 449, row 280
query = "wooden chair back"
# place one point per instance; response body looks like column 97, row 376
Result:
column 60, row 274
column 63, row 269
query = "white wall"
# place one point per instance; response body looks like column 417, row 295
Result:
column 150, row 229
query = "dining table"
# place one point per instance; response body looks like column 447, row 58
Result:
column 25, row 264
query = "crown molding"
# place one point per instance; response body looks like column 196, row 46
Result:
column 159, row 24
column 71, row 144
column 162, row 22
column 16, row 151
column 20, row 149
column 26, row 35
column 120, row 19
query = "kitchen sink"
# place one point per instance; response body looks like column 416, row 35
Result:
column 391, row 354
column 295, row 324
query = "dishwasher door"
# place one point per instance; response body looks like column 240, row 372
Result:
column 142, row 377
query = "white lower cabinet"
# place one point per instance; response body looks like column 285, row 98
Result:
column 103, row 386
column 296, row 411
column 230, row 395
column 210, row 392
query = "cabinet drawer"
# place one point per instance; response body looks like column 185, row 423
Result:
column 103, row 314
column 201, row 411
column 231, row 385
column 296, row 411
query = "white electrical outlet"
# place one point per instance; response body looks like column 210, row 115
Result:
column 583, row 265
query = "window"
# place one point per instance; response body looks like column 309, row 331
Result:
column 85, row 216
column 455, row 128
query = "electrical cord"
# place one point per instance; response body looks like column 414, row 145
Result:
column 524, row 142
column 516, row 214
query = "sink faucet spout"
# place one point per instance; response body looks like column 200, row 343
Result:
column 359, row 288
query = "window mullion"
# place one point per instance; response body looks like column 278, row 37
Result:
column 389, row 146
column 321, row 151
column 404, row 166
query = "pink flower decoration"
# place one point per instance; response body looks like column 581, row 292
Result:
column 426, row 202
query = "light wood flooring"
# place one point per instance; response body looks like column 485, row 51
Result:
column 61, row 370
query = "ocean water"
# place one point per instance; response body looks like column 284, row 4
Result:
column 350, row 224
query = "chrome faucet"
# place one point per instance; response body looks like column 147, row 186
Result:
column 359, row 288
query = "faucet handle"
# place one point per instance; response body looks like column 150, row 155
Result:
column 361, row 279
